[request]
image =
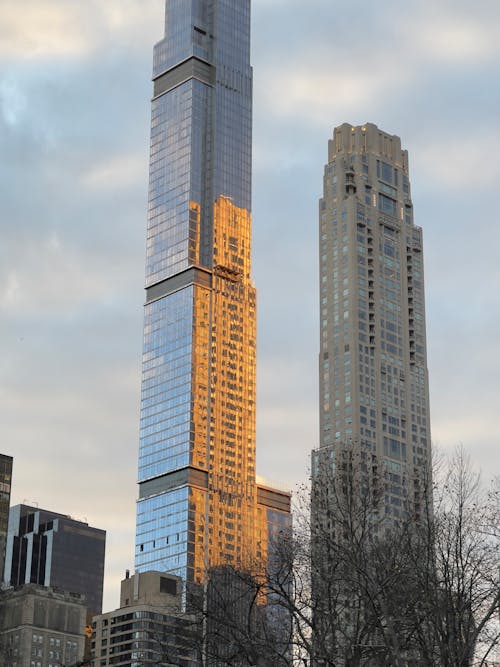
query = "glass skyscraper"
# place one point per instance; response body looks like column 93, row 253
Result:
column 51, row 549
column 198, row 501
column 374, row 396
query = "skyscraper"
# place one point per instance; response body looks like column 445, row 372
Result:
column 370, row 473
column 198, row 498
column 5, row 486
column 374, row 398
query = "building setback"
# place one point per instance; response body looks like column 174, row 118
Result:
column 374, row 397
column 148, row 628
column 52, row 549
column 198, row 501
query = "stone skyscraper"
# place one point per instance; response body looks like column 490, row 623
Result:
column 199, row 504
column 374, row 398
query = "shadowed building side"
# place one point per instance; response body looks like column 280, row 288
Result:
column 5, row 487
column 51, row 549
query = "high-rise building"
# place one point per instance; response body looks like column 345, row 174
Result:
column 5, row 486
column 51, row 549
column 374, row 398
column 370, row 474
column 198, row 497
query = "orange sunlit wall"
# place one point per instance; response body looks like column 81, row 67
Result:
column 233, row 390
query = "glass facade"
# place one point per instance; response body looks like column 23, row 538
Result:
column 162, row 523
column 166, row 384
column 197, row 502
column 374, row 398
column 200, row 130
column 51, row 549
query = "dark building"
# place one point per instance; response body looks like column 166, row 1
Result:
column 55, row 550
column 41, row 627
column 5, row 485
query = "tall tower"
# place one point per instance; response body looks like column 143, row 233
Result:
column 5, row 486
column 197, row 489
column 374, row 397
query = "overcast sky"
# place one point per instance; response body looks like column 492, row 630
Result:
column 74, row 132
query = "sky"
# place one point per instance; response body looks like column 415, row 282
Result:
column 74, row 130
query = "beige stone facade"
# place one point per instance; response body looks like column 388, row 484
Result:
column 148, row 628
column 374, row 398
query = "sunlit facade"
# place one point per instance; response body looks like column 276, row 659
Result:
column 197, row 504
column 374, row 396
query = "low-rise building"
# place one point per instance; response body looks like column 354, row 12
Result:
column 149, row 628
column 41, row 627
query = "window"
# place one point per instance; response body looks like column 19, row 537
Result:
column 168, row 586
column 386, row 204
column 386, row 172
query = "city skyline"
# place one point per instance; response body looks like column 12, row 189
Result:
column 72, row 256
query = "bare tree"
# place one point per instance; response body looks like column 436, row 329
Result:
column 351, row 587
column 166, row 640
column 457, row 575
column 238, row 622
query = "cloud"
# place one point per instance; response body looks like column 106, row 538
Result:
column 312, row 93
column 287, row 417
column 49, row 278
column 458, row 41
column 466, row 163
column 12, row 102
column 326, row 68
column 32, row 29
column 73, row 435
column 10, row 289
column 117, row 172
